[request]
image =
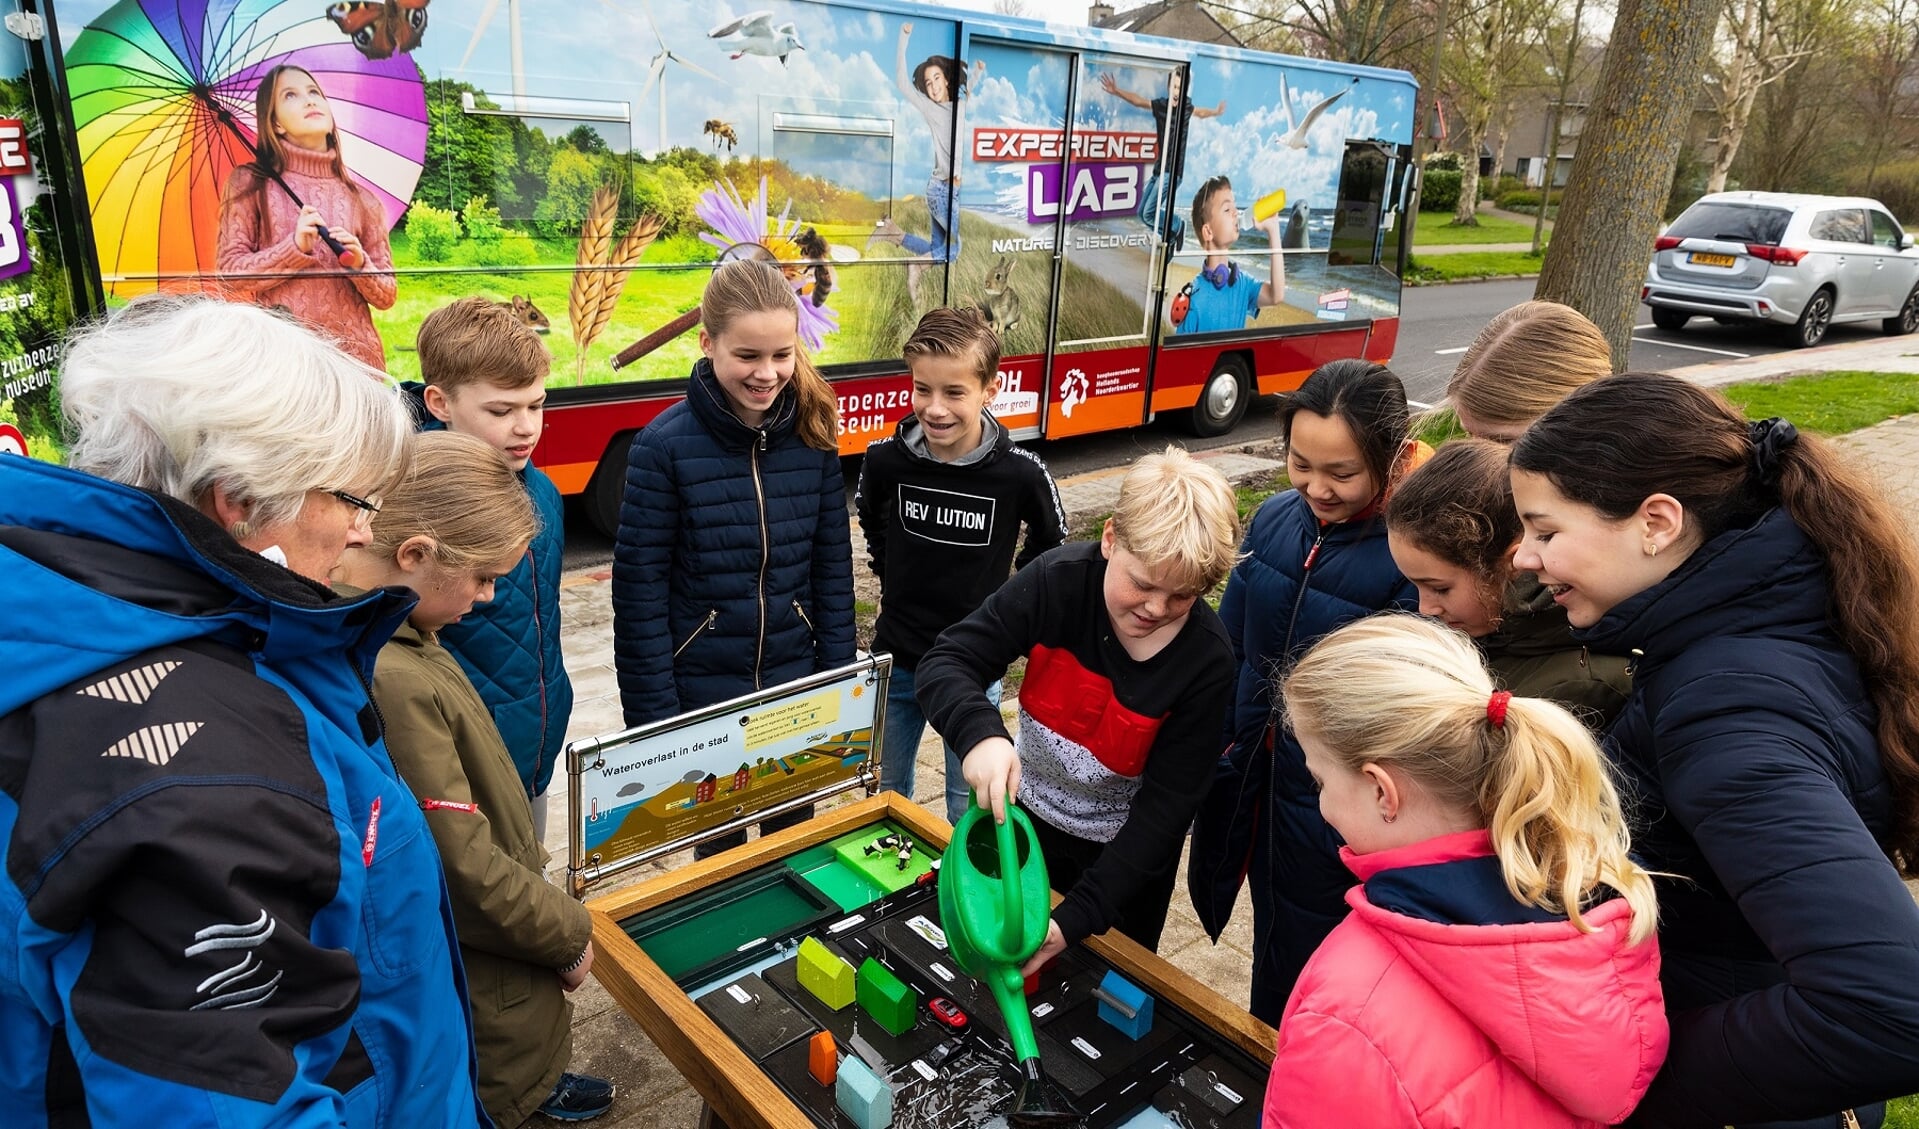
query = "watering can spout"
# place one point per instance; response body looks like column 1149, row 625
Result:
column 1039, row 1105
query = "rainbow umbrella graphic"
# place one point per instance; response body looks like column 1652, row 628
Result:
column 163, row 103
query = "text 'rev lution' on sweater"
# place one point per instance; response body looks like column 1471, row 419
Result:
column 942, row 535
column 1112, row 749
column 259, row 261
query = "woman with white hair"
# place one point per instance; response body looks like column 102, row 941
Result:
column 221, row 904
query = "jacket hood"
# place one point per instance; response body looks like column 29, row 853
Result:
column 113, row 571
column 994, row 440
column 1543, row 992
column 708, row 403
column 1531, row 624
column 1767, row 578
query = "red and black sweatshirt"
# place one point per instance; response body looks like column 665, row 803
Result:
column 1112, row 749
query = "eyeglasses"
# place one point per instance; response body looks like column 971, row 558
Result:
column 367, row 509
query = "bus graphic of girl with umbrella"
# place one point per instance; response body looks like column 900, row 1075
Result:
column 295, row 231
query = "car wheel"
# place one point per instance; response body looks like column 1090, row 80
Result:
column 1223, row 401
column 1667, row 318
column 1813, row 321
column 1908, row 318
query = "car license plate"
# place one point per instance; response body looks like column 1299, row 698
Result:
column 1703, row 259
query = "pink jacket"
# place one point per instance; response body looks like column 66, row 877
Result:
column 259, row 262
column 1403, row 1021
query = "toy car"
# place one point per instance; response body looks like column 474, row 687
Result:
column 947, row 1012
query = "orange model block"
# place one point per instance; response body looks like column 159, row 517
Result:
column 823, row 1059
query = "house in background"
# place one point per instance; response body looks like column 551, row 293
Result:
column 1174, row 19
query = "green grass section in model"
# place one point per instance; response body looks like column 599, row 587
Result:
column 882, row 865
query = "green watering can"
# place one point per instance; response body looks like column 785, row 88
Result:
column 995, row 904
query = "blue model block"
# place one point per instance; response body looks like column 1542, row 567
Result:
column 862, row 1095
column 1117, row 996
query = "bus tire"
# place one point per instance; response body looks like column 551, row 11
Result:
column 1222, row 402
column 607, row 489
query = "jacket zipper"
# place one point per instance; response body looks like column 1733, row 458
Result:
column 704, row 624
column 759, row 492
column 539, row 632
column 1305, row 582
column 804, row 618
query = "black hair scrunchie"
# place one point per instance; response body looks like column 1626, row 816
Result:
column 1770, row 438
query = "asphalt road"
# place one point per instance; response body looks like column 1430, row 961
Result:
column 1437, row 323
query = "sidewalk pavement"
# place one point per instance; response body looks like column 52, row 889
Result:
column 652, row 1094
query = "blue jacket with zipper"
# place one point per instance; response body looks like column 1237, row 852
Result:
column 1749, row 760
column 510, row 646
column 733, row 568
column 219, row 905
column 1299, row 581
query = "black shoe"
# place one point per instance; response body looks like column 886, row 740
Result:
column 578, row 1097
column 1179, row 236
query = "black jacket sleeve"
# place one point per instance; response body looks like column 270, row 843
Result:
column 1179, row 772
column 1045, row 516
column 832, row 571
column 649, row 530
column 971, row 655
column 873, row 502
column 1755, row 788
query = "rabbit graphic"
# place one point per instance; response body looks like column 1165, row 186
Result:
column 1000, row 304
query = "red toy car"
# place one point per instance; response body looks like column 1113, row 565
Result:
column 947, row 1012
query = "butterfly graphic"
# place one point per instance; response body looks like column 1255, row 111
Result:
column 380, row 28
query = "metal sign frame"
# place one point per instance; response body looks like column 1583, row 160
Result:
column 585, row 870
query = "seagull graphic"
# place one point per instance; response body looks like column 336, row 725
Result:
column 1295, row 138
column 759, row 36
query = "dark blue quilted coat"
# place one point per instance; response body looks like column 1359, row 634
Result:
column 733, row 569
column 1299, row 581
column 1748, row 760
column 510, row 646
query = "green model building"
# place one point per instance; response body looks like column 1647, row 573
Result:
column 891, row 1003
column 825, row 975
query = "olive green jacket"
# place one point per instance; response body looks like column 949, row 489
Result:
column 515, row 928
column 1534, row 654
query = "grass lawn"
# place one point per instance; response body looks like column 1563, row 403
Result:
column 1830, row 403
column 1902, row 1114
column 1471, row 264
column 1435, row 230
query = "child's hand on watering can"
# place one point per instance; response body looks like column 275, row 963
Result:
column 1052, row 946
column 991, row 768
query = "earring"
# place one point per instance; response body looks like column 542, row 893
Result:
column 241, row 530
column 1392, row 817
column 1652, row 550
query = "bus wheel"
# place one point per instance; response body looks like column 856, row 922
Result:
column 1223, row 401
column 607, row 489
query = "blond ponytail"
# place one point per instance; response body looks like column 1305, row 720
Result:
column 1404, row 693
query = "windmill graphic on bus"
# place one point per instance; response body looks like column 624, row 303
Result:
column 656, row 71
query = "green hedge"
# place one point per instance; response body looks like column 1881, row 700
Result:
column 1440, row 192
column 1521, row 199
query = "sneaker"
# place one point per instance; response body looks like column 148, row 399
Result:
column 578, row 1097
column 886, row 231
column 1179, row 236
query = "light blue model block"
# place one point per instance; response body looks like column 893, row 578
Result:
column 862, row 1095
column 1125, row 1005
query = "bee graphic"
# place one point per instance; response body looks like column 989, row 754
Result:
column 813, row 245
column 380, row 28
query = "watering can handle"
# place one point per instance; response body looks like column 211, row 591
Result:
column 1015, row 928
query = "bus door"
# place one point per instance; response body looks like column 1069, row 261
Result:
column 1010, row 159
column 1364, row 253
column 1116, row 205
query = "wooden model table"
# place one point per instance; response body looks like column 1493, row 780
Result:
column 1217, row 1052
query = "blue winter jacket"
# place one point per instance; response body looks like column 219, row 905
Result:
column 1299, row 581
column 220, row 906
column 510, row 646
column 1748, row 758
column 733, row 568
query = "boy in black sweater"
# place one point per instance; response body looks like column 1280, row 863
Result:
column 1128, row 673
column 941, row 503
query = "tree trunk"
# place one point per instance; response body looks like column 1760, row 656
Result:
column 1466, row 212
column 1616, row 195
column 1500, row 137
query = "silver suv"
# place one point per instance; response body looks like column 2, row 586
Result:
column 1801, row 261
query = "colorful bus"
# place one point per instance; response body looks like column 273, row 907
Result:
column 1154, row 226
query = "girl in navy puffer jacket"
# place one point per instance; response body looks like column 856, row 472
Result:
column 1770, row 748
column 733, row 568
column 1316, row 559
